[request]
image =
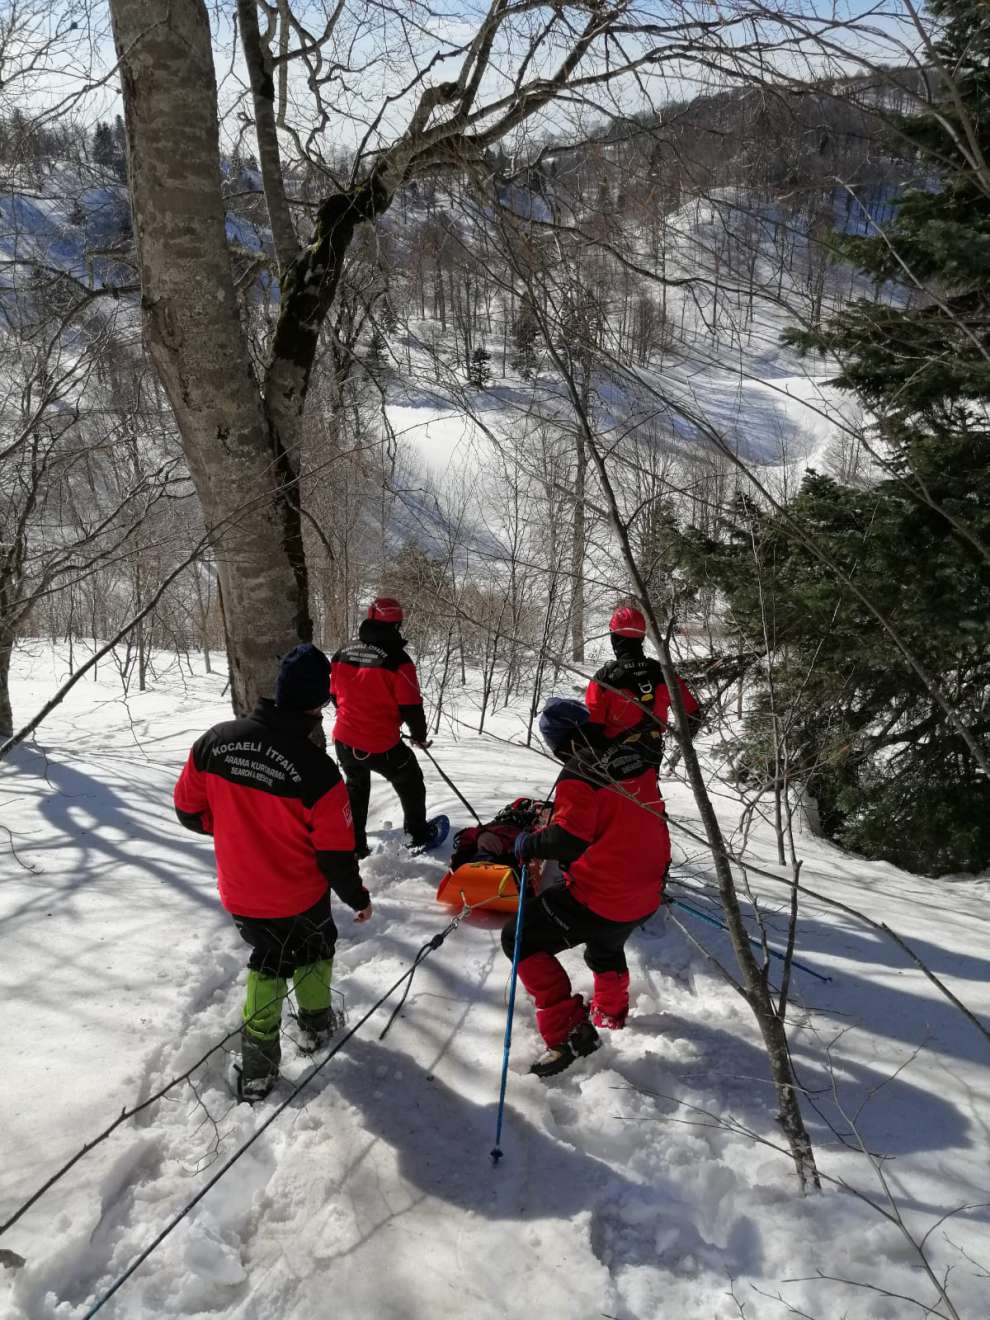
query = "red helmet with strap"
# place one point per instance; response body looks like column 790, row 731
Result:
column 386, row 609
column 627, row 622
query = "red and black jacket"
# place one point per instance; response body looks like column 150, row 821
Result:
column 630, row 692
column 278, row 811
column 374, row 686
column 608, row 832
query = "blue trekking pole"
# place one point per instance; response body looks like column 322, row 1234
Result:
column 497, row 1150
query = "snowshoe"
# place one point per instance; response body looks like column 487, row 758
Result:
column 582, row 1041
column 433, row 836
column 317, row 1029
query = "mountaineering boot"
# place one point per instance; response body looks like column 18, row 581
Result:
column 315, row 1017
column 432, row 836
column 582, row 1041
column 316, row 1029
column 258, row 1072
column 261, row 1050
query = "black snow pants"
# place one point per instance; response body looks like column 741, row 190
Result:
column 400, row 767
column 281, row 944
column 556, row 921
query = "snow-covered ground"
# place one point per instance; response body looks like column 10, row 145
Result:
column 644, row 1184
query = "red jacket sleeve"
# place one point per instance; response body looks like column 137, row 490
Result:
column 409, row 699
column 405, row 684
column 331, row 822
column 572, row 827
column 596, row 699
column 333, row 838
column 575, row 809
column 691, row 703
column 192, row 803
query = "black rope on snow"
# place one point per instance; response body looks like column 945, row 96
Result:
column 424, row 952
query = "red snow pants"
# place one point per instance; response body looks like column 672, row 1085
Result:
column 556, row 921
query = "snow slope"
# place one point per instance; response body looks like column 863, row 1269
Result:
column 642, row 1185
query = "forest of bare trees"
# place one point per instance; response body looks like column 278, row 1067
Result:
column 241, row 286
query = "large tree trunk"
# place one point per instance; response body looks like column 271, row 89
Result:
column 245, row 479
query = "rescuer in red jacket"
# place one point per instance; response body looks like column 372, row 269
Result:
column 280, row 818
column 609, row 834
column 374, row 686
column 628, row 695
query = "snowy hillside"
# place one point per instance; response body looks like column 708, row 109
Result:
column 726, row 366
column 645, row 1184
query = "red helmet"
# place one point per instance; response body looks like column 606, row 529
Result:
column 627, row 622
column 385, row 609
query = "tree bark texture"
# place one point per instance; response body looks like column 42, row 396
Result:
column 259, row 63
column 246, row 481
column 6, row 712
column 578, row 550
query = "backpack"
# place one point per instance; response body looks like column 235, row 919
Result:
column 494, row 841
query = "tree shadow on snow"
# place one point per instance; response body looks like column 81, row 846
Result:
column 916, row 1013
column 894, row 1116
column 443, row 1142
column 88, row 815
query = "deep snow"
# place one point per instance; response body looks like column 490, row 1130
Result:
column 637, row 1186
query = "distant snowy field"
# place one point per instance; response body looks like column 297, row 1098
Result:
column 641, row 1185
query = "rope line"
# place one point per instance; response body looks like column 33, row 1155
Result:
column 758, row 944
column 449, row 782
column 126, row 1114
column 119, row 1282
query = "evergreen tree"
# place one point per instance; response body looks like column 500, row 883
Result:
column 104, row 147
column 923, row 368
column 892, row 776
column 110, row 147
column 377, row 359
column 388, row 317
column 525, row 335
column 479, row 372
column 120, row 147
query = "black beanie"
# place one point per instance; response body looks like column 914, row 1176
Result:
column 303, row 681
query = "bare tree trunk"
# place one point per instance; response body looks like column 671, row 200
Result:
column 6, row 711
column 195, row 336
column 755, row 988
column 488, row 675
column 259, row 62
column 447, row 655
column 578, row 553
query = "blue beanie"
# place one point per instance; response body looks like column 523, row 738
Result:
column 560, row 719
column 303, row 681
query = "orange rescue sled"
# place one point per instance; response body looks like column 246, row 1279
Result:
column 487, row 886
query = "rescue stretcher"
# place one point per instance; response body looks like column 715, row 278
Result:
column 486, row 886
